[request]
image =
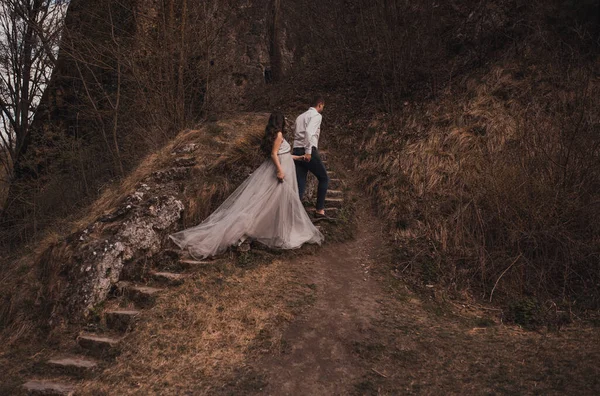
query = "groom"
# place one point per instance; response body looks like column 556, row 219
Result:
column 306, row 143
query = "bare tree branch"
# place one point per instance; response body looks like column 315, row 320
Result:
column 30, row 31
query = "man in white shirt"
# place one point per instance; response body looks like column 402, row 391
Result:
column 306, row 144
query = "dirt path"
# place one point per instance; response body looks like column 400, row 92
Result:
column 330, row 323
column 319, row 359
column 367, row 334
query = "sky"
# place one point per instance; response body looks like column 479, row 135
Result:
column 41, row 69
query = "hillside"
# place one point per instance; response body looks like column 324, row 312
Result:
column 329, row 320
column 462, row 140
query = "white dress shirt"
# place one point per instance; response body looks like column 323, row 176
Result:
column 307, row 130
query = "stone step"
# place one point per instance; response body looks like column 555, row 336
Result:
column 168, row 278
column 143, row 296
column 172, row 253
column 48, row 388
column 98, row 345
column 333, row 203
column 121, row 320
column 335, row 193
column 331, row 212
column 189, row 264
column 77, row 365
column 335, row 184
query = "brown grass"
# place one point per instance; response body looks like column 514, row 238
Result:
column 226, row 171
column 496, row 183
column 199, row 338
column 20, row 284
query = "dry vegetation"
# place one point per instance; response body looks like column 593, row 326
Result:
column 129, row 77
column 197, row 338
column 490, row 181
column 474, row 129
column 502, row 184
column 20, row 285
column 4, row 183
column 472, row 125
column 201, row 338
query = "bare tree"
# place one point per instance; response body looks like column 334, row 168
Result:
column 30, row 32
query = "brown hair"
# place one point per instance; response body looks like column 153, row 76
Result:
column 276, row 124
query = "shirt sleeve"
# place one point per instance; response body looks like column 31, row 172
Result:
column 311, row 132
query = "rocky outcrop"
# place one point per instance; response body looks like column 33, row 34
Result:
column 124, row 242
column 81, row 271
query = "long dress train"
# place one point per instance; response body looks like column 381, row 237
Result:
column 261, row 209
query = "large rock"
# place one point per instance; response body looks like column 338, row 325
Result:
column 82, row 269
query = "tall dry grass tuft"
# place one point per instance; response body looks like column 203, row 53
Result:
column 240, row 156
column 498, row 184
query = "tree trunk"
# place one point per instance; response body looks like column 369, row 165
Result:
column 181, row 116
column 275, row 42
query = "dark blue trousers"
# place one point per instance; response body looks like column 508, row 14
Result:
column 316, row 167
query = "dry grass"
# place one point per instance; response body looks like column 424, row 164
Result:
column 197, row 336
column 200, row 338
column 496, row 182
column 213, row 140
column 20, row 284
column 227, row 171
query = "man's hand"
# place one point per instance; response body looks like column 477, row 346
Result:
column 307, row 157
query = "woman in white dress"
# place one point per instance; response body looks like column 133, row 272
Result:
column 265, row 208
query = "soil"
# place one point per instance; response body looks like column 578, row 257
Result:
column 368, row 334
column 319, row 357
column 328, row 321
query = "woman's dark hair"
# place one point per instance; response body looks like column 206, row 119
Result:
column 276, row 124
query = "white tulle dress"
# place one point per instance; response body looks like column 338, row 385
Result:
column 260, row 209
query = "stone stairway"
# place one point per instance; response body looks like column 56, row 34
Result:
column 96, row 347
column 334, row 201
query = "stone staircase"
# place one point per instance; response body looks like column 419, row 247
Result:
column 334, row 201
column 95, row 348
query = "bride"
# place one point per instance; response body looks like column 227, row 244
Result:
column 266, row 207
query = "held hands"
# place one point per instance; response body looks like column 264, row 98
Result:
column 305, row 157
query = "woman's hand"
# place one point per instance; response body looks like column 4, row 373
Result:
column 280, row 175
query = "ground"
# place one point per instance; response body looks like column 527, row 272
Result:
column 368, row 335
column 330, row 320
column 335, row 322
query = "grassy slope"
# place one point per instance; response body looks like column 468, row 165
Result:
column 19, row 284
column 498, row 171
column 245, row 284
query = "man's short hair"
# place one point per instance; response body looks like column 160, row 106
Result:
column 317, row 100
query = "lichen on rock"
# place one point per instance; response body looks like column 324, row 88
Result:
column 88, row 263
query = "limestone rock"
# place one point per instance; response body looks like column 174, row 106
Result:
column 48, row 388
column 82, row 269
